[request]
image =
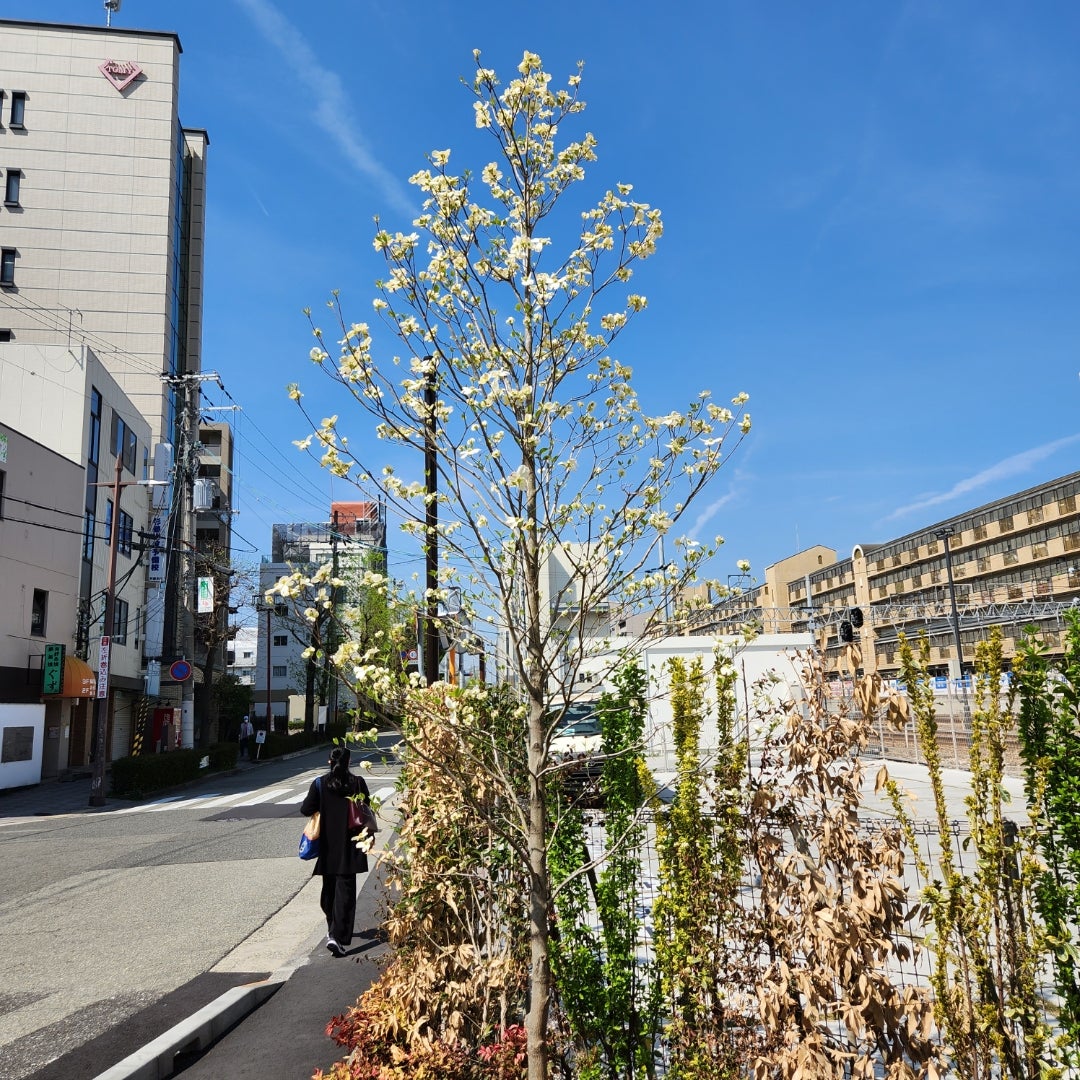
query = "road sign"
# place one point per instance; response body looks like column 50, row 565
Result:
column 180, row 670
column 103, row 667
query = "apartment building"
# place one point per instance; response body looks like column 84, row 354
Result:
column 101, row 231
column 1011, row 563
column 355, row 537
column 101, row 252
column 65, row 423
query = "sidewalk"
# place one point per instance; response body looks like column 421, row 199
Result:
column 274, row 1029
column 286, row 1037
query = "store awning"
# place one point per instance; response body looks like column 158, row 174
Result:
column 80, row 680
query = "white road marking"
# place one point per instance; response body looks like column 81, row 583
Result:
column 266, row 796
column 177, row 805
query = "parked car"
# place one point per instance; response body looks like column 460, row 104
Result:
column 577, row 746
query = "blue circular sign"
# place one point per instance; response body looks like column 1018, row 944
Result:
column 180, row 670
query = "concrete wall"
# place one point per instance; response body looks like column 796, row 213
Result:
column 22, row 732
column 769, row 658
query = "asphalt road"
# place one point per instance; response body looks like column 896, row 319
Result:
column 115, row 924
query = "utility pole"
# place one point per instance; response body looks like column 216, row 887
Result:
column 101, row 702
column 99, row 734
column 331, row 632
column 431, row 524
column 188, row 385
column 946, row 533
column 269, row 698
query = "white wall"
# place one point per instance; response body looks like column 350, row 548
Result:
column 22, row 731
column 769, row 657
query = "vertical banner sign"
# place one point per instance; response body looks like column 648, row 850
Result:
column 156, row 564
column 206, row 595
column 103, row 668
column 52, row 670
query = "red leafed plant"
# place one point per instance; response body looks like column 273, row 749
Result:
column 506, row 1058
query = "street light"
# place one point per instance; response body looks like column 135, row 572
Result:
column 101, row 702
column 945, row 533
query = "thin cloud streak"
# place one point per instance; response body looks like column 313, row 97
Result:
column 1003, row 470
column 707, row 513
column 332, row 112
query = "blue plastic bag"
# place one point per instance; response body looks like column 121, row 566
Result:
column 309, row 838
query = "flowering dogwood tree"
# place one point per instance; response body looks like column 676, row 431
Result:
column 544, row 453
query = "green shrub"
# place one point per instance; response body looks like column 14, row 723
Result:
column 223, row 756
column 136, row 777
column 278, row 743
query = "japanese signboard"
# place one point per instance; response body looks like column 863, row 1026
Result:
column 52, row 670
column 103, row 668
column 206, row 595
column 156, row 559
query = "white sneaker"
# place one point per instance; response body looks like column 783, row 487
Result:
column 334, row 948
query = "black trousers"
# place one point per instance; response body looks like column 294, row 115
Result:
column 338, row 901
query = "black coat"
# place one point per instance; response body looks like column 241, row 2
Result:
column 338, row 853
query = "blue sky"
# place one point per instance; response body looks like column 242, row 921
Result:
column 871, row 220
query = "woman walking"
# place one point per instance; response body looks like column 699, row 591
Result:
column 339, row 860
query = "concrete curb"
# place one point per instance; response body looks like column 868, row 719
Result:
column 156, row 1060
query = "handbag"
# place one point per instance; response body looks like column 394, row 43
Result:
column 362, row 818
column 309, row 838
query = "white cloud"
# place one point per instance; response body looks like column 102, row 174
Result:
column 1016, row 465
column 706, row 514
column 332, row 112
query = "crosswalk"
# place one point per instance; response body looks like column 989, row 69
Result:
column 292, row 794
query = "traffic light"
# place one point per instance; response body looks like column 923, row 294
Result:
column 846, row 632
column 856, row 617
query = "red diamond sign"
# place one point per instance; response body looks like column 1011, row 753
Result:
column 121, row 73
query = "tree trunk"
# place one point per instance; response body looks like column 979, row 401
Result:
column 204, row 699
column 536, row 1020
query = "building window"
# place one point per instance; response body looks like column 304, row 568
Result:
column 123, row 444
column 39, row 613
column 108, row 520
column 280, row 640
column 88, row 536
column 7, row 266
column 94, row 447
column 18, row 109
column 120, row 622
column 11, row 187
column 2, row 475
column 126, row 525
column 6, row 335
column 279, row 671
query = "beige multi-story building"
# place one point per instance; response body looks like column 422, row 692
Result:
column 101, row 250
column 101, row 231
column 1012, row 563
